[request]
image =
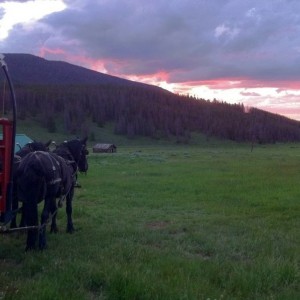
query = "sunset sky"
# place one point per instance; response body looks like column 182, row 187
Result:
column 239, row 51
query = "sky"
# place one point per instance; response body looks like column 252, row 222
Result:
column 238, row 51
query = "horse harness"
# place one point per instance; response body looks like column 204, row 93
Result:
column 54, row 166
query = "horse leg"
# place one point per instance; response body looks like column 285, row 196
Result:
column 69, row 199
column 53, row 209
column 22, row 223
column 44, row 219
column 23, row 218
column 15, row 203
column 30, row 211
column 15, row 207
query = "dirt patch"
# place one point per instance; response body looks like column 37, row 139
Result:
column 200, row 254
column 157, row 224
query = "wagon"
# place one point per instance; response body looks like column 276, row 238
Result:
column 7, row 146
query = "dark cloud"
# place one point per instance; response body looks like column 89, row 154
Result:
column 192, row 40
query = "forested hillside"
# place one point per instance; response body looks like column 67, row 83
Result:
column 137, row 109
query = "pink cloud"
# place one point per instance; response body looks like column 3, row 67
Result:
column 82, row 60
column 290, row 112
column 154, row 78
column 251, row 94
column 43, row 52
column 230, row 83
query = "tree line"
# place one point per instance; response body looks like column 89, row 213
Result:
column 140, row 111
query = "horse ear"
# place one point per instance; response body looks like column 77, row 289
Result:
column 84, row 140
column 30, row 146
column 48, row 143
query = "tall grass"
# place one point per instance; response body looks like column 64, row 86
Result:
column 171, row 222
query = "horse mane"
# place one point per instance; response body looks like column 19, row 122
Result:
column 33, row 146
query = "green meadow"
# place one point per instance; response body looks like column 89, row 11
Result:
column 208, row 221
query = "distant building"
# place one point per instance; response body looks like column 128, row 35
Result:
column 21, row 140
column 104, row 148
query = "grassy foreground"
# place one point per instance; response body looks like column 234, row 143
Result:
column 213, row 222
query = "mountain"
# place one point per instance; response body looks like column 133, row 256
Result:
column 30, row 69
column 55, row 93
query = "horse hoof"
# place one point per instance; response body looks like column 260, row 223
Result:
column 13, row 225
column 54, row 230
column 29, row 248
column 42, row 247
column 70, row 229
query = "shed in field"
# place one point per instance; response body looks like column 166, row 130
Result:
column 104, row 148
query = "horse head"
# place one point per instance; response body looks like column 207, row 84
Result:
column 83, row 163
column 79, row 151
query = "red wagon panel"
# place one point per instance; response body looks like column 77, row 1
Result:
column 6, row 148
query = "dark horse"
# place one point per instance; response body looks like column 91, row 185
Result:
column 28, row 148
column 47, row 176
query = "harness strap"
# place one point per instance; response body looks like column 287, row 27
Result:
column 54, row 181
column 54, row 168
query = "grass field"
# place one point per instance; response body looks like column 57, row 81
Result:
column 215, row 221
